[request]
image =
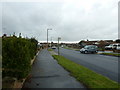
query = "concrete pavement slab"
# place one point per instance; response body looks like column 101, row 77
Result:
column 47, row 73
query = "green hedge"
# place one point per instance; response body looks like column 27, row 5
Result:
column 17, row 54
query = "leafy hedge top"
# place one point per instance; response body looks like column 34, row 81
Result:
column 17, row 54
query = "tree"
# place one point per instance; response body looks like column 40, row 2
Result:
column 82, row 43
column 102, row 44
column 4, row 35
column 19, row 35
column 117, row 41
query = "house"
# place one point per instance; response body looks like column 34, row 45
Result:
column 99, row 43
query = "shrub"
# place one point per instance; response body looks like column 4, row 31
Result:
column 17, row 54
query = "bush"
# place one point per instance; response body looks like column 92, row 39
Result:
column 17, row 54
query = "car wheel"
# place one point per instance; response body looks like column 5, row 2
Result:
column 96, row 51
column 85, row 52
column 92, row 52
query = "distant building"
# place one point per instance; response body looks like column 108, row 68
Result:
column 100, row 43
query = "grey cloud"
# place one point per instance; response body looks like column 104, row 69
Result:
column 69, row 22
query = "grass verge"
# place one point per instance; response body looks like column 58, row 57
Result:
column 86, row 76
column 50, row 50
column 111, row 54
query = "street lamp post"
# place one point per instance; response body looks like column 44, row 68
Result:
column 58, row 46
column 47, row 37
column 51, row 42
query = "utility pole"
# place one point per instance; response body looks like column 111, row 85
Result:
column 58, row 46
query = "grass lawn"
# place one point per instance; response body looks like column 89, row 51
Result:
column 86, row 76
column 111, row 54
column 72, row 48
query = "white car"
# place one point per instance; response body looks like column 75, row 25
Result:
column 113, row 46
column 109, row 47
column 54, row 47
column 118, row 47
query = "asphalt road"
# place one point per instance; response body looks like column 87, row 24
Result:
column 102, row 64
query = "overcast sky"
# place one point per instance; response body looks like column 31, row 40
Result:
column 72, row 20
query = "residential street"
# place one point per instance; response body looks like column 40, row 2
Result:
column 105, row 65
column 60, row 44
column 47, row 73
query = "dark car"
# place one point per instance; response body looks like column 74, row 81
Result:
column 89, row 49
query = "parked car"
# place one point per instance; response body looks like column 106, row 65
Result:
column 115, row 46
column 89, row 49
column 110, row 47
column 54, row 47
column 118, row 47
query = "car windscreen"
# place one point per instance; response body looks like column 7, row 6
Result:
column 86, row 47
column 90, row 47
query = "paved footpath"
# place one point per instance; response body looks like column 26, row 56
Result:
column 47, row 73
